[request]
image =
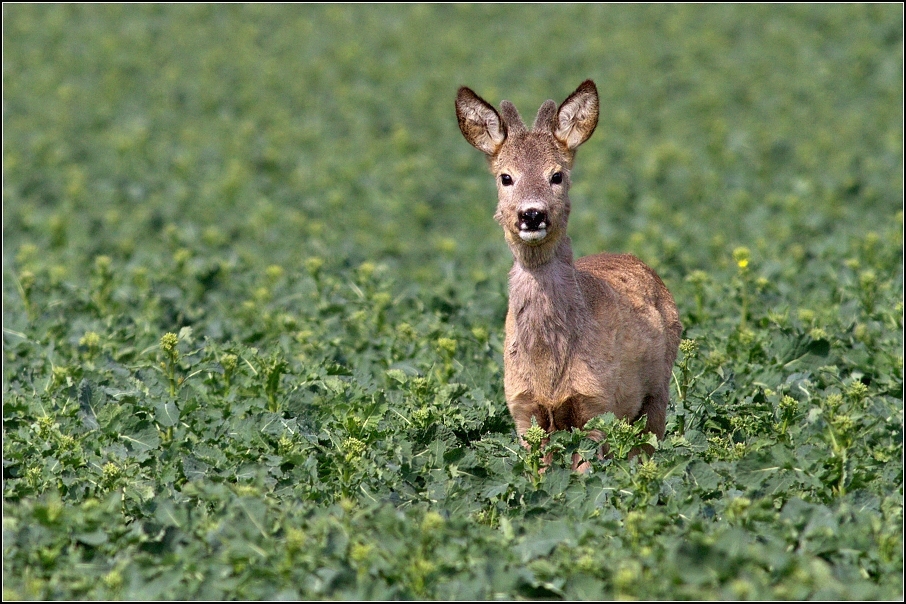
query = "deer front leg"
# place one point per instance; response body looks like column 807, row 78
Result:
column 523, row 408
column 570, row 413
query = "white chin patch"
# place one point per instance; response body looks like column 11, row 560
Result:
column 533, row 235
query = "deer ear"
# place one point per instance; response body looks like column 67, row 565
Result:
column 577, row 116
column 479, row 122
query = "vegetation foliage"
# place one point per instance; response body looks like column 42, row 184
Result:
column 253, row 302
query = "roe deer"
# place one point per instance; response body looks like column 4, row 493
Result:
column 585, row 338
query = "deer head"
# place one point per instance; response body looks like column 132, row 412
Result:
column 531, row 167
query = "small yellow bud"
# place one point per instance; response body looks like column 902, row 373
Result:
column 738, row 506
column 273, row 272
column 817, row 334
column 446, row 244
column 431, row 522
column 868, row 279
column 285, row 445
column 789, row 404
column 313, row 265
column 697, row 277
column 806, row 315
column 648, row 470
column 688, row 347
column 534, row 435
column 90, row 340
column 26, row 253
column 627, row 575
column 26, row 280
column 359, row 552
column 421, row 416
column 354, row 448
column 213, row 236
column 102, row 263
column 110, row 473
column 113, row 580
column 366, row 270
column 295, row 539
column 857, row 390
column 447, row 345
column 168, row 344
column 229, row 362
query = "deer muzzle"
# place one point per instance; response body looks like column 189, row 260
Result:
column 533, row 224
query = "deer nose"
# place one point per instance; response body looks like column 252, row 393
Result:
column 532, row 220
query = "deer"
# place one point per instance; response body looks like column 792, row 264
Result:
column 582, row 338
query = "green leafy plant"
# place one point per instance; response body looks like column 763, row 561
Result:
column 254, row 295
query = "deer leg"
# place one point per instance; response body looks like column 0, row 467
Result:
column 654, row 408
column 523, row 411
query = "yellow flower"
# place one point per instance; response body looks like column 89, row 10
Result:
column 741, row 256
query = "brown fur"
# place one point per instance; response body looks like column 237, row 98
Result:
column 582, row 338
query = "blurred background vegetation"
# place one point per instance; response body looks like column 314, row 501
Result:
column 276, row 133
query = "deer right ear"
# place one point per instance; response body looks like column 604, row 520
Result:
column 577, row 116
column 479, row 122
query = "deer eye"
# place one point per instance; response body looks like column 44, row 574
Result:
column 506, row 180
column 556, row 178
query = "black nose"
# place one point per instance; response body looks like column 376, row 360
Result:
column 532, row 220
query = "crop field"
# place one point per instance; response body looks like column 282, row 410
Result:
column 254, row 296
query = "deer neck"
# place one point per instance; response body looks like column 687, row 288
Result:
column 548, row 310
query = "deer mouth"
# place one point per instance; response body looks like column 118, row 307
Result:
column 532, row 236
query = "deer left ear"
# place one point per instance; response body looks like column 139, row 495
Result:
column 577, row 116
column 479, row 123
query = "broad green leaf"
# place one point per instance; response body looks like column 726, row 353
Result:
column 166, row 413
column 142, row 438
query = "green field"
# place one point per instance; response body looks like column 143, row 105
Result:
column 253, row 303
